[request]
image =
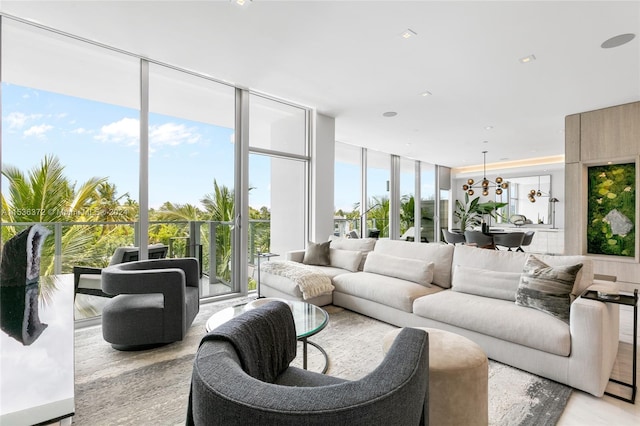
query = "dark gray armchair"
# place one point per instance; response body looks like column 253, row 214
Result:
column 241, row 376
column 155, row 302
column 87, row 279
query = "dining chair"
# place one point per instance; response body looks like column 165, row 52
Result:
column 452, row 237
column 510, row 240
column 479, row 239
column 526, row 241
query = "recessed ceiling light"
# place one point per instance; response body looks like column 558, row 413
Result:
column 408, row 33
column 618, row 40
column 389, row 114
column 425, row 93
column 488, row 127
column 528, row 59
column 485, row 141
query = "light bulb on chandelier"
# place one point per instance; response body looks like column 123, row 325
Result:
column 533, row 193
column 499, row 184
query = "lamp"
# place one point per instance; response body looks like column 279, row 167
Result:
column 533, row 193
column 553, row 201
column 499, row 184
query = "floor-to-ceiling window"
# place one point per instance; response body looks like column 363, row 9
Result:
column 278, row 170
column 72, row 113
column 428, row 200
column 70, row 147
column 376, row 210
column 191, row 172
column 407, row 198
column 347, row 189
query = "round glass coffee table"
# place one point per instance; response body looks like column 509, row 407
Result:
column 309, row 320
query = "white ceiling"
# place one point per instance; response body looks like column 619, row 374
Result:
column 348, row 60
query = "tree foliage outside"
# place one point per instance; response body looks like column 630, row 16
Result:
column 46, row 195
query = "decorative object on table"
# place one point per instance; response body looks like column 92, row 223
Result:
column 611, row 207
column 19, row 285
column 485, row 184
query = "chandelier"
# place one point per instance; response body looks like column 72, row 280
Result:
column 499, row 184
column 533, row 193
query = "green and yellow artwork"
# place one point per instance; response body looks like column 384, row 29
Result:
column 612, row 210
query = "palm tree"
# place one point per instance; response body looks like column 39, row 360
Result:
column 46, row 195
column 220, row 207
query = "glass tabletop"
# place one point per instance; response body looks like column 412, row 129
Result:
column 309, row 319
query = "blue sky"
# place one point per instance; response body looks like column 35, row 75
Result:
column 93, row 139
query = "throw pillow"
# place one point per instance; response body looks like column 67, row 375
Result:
column 485, row 282
column 418, row 271
column 345, row 259
column 317, row 254
column 547, row 288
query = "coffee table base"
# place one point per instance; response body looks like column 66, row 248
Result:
column 318, row 347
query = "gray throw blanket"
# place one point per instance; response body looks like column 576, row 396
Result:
column 264, row 339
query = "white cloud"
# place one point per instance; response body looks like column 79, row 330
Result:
column 81, row 131
column 126, row 131
column 38, row 131
column 17, row 120
column 172, row 134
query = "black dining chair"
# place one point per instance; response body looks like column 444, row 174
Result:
column 479, row 239
column 510, row 240
column 452, row 237
column 526, row 241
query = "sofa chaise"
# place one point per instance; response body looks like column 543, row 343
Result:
column 499, row 299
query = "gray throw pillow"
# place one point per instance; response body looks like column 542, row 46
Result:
column 547, row 288
column 317, row 254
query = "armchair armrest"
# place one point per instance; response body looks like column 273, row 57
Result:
column 83, row 270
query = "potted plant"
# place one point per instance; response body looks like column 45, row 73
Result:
column 471, row 213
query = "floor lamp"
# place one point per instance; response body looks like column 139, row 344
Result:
column 553, row 202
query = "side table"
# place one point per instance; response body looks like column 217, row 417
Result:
column 263, row 256
column 628, row 300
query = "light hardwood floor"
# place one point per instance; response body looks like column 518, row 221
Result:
column 584, row 409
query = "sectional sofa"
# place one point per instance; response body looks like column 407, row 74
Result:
column 523, row 309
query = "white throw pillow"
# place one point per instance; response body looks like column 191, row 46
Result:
column 485, row 282
column 418, row 271
column 345, row 259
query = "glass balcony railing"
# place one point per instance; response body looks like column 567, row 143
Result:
column 93, row 243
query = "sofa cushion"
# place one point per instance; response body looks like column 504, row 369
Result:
column 512, row 261
column 584, row 279
column 439, row 254
column 485, row 282
column 364, row 245
column 345, row 259
column 389, row 291
column 317, row 254
column 547, row 288
column 498, row 318
column 417, row 271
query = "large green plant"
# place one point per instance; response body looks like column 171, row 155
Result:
column 471, row 213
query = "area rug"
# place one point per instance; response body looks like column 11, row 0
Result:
column 151, row 387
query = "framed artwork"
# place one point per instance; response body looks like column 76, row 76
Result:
column 611, row 206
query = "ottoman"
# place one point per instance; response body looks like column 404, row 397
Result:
column 458, row 379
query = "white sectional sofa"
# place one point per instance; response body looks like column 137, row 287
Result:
column 472, row 292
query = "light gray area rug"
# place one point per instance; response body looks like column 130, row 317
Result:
column 152, row 387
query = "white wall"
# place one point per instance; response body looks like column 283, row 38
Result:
column 322, row 177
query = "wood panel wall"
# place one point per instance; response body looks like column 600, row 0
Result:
column 595, row 138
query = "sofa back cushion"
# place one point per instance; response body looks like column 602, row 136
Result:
column 438, row 254
column 364, row 245
column 485, row 282
column 417, row 271
column 512, row 261
column 345, row 259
